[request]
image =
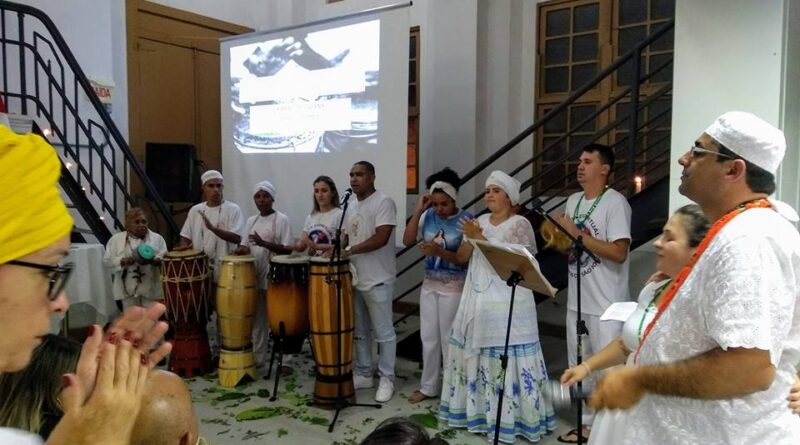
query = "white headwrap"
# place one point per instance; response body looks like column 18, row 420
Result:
column 446, row 187
column 209, row 175
column 505, row 182
column 750, row 137
column 267, row 187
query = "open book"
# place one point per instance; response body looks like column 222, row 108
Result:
column 507, row 258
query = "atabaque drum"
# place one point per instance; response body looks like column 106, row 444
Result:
column 185, row 276
column 287, row 300
column 186, row 280
column 332, row 335
column 236, row 301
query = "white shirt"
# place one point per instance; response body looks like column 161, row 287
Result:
column 226, row 216
column 742, row 293
column 604, row 283
column 141, row 280
column 274, row 228
column 321, row 227
column 18, row 437
column 380, row 265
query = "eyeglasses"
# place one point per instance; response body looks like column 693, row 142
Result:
column 696, row 151
column 58, row 276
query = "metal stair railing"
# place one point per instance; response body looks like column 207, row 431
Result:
column 96, row 155
column 551, row 194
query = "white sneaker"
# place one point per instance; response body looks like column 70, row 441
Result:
column 385, row 390
column 363, row 382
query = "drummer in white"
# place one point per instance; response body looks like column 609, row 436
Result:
column 266, row 234
column 213, row 226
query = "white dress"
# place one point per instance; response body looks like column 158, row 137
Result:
column 473, row 369
column 609, row 425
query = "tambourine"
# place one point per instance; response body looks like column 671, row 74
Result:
column 144, row 254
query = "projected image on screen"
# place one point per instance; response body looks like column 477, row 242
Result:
column 311, row 92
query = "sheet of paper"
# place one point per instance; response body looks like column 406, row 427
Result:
column 619, row 311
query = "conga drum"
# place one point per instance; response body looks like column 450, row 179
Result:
column 236, row 306
column 287, row 300
column 185, row 276
column 236, row 301
column 334, row 364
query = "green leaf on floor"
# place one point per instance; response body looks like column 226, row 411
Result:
column 313, row 420
column 231, row 396
column 216, row 421
column 263, row 393
column 426, row 420
column 282, row 432
column 447, row 434
column 264, row 412
column 367, row 421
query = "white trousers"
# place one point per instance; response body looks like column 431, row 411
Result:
column 437, row 310
column 260, row 336
column 601, row 333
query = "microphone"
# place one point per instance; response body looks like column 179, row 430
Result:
column 347, row 194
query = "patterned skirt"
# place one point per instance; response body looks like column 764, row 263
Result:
column 471, row 388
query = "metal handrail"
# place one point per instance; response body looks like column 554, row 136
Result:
column 634, row 132
column 110, row 130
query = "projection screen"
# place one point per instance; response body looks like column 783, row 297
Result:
column 311, row 100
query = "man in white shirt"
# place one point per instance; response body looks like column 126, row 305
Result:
column 717, row 363
column 602, row 216
column 371, row 222
column 214, row 227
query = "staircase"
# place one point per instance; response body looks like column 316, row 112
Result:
column 637, row 147
column 42, row 83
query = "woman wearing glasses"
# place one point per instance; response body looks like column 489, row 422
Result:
column 34, row 238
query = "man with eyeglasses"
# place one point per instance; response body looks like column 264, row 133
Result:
column 717, row 363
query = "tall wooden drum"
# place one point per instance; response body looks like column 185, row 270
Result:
column 236, row 301
column 334, row 365
column 186, row 280
column 287, row 300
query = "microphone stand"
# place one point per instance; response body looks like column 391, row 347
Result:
column 578, row 249
column 512, row 282
column 341, row 402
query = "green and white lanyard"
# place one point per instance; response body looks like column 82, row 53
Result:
column 652, row 304
column 581, row 223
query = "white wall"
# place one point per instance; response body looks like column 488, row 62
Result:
column 789, row 175
column 735, row 61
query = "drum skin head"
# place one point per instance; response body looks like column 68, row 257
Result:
column 182, row 253
column 289, row 259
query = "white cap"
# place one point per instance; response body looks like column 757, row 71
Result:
column 267, row 187
column 750, row 137
column 209, row 175
column 505, row 182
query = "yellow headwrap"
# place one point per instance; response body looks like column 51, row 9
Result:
column 32, row 213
